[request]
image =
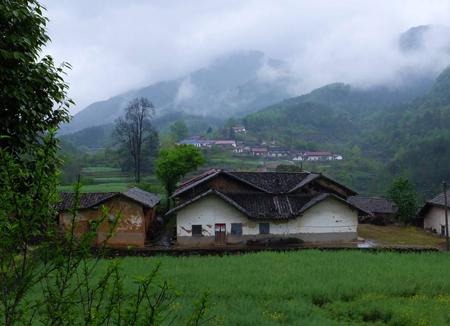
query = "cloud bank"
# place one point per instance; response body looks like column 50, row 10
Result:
column 115, row 46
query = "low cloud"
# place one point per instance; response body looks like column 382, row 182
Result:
column 185, row 91
column 116, row 46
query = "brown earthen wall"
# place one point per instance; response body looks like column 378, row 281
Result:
column 130, row 231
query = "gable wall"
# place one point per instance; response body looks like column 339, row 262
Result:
column 328, row 216
column 221, row 183
column 324, row 186
column 208, row 211
column 434, row 218
column 130, row 230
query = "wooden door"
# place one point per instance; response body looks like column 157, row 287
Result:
column 220, row 233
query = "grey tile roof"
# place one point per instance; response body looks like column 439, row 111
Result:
column 269, row 182
column 144, row 197
column 374, row 204
column 86, row 200
column 440, row 199
column 91, row 199
column 272, row 182
column 268, row 206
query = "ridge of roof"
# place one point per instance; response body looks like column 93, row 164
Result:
column 374, row 204
column 208, row 192
column 268, row 206
column 91, row 199
column 268, row 182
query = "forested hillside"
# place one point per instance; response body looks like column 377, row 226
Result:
column 336, row 113
column 417, row 139
column 406, row 132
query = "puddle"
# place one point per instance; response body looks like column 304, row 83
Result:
column 367, row 244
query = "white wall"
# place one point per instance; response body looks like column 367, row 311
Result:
column 208, row 211
column 434, row 219
column 329, row 216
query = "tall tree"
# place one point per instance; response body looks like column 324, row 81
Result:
column 174, row 163
column 403, row 193
column 136, row 133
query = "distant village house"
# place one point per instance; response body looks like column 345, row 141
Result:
column 239, row 130
column 258, row 151
column 206, row 143
column 317, row 156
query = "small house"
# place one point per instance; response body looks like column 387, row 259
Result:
column 136, row 209
column 225, row 143
column 278, row 152
column 239, row 130
column 381, row 210
column 258, row 151
column 228, row 207
column 318, row 156
column 433, row 214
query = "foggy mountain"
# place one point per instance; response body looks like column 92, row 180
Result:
column 233, row 85
column 244, row 82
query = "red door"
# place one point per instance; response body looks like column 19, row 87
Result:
column 221, row 233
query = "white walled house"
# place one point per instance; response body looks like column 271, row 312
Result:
column 232, row 207
column 433, row 214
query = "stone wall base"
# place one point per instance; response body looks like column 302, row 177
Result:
column 233, row 239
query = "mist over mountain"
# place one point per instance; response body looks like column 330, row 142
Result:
column 232, row 85
column 242, row 83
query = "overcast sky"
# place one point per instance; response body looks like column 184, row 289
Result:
column 115, row 46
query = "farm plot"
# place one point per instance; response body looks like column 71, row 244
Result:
column 311, row 287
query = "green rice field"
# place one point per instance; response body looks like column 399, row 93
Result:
column 98, row 187
column 311, row 287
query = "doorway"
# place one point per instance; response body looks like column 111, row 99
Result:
column 220, row 233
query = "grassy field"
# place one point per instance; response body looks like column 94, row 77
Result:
column 311, row 287
column 393, row 235
column 98, row 187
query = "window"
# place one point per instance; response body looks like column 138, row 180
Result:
column 236, row 228
column 197, row 230
column 264, row 228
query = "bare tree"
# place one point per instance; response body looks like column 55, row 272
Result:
column 134, row 128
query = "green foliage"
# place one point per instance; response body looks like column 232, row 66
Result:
column 179, row 130
column 403, row 193
column 174, row 163
column 288, row 168
column 33, row 92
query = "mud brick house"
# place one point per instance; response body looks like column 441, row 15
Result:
column 226, row 207
column 382, row 211
column 135, row 207
column 432, row 214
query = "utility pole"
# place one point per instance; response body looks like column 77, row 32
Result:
column 444, row 185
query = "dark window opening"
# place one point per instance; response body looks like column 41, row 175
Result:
column 197, row 230
column 264, row 228
column 236, row 228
